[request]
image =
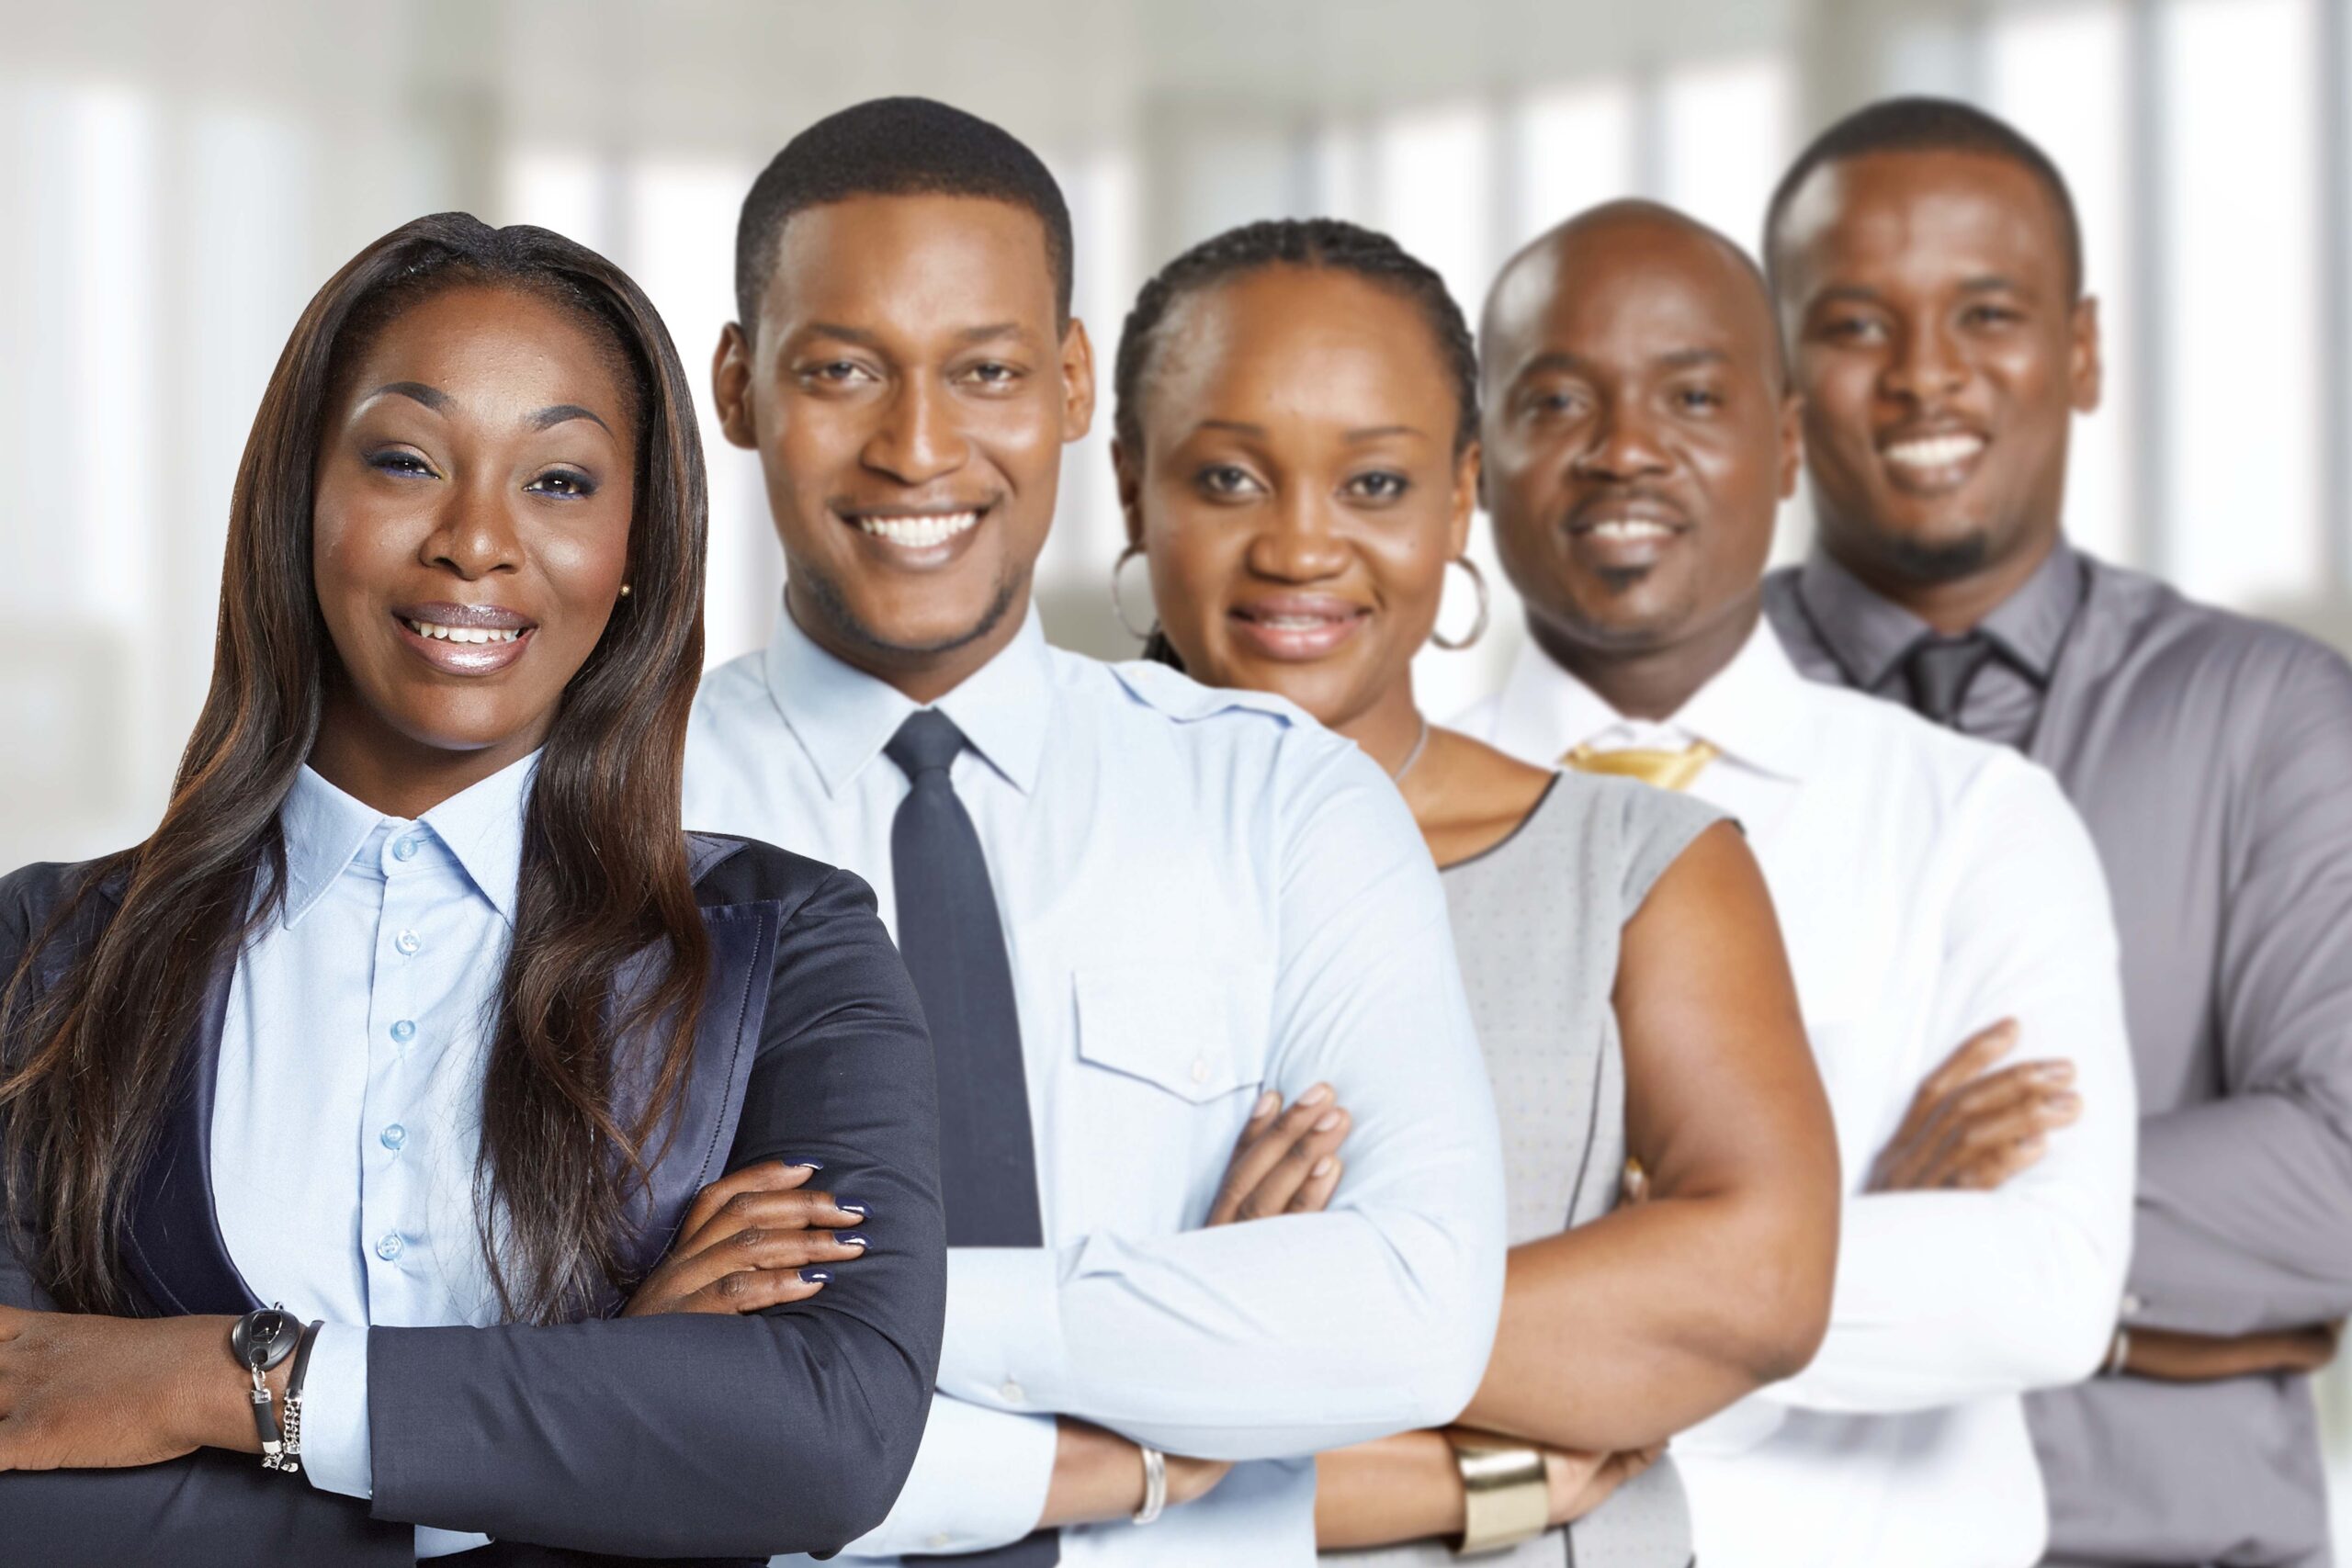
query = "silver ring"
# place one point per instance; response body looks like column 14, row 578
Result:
column 1155, row 1486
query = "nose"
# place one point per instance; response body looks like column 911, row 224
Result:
column 1926, row 367
column 475, row 534
column 1299, row 542
column 916, row 441
column 1622, row 446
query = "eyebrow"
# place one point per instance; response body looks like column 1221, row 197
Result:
column 1576, row 364
column 859, row 335
column 548, row 418
column 1687, row 358
column 1369, row 433
column 433, row 397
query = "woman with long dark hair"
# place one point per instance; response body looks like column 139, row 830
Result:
column 420, row 1015
column 1297, row 453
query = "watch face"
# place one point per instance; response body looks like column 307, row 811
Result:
column 262, row 1340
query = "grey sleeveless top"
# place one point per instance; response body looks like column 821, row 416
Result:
column 1537, row 920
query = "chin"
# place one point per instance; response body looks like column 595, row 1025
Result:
column 945, row 616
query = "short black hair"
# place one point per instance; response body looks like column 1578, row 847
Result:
column 1321, row 243
column 1927, row 125
column 896, row 147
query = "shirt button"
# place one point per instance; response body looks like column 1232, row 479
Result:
column 404, row 1032
column 1200, row 1069
column 408, row 941
column 393, row 1137
column 387, row 1246
column 404, row 849
column 1012, row 1392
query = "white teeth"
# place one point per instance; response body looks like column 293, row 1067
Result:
column 1631, row 528
column 1935, row 451
column 461, row 633
column 919, row 533
column 1295, row 623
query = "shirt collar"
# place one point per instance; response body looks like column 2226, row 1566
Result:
column 1753, row 709
column 481, row 825
column 1868, row 635
column 844, row 717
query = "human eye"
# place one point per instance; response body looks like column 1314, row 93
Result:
column 1697, row 400
column 562, row 482
column 1851, row 329
column 1379, row 485
column 1228, row 481
column 1985, row 314
column 399, row 464
column 993, row 373
column 835, row 373
column 1549, row 402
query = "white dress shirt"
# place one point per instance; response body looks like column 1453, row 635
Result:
column 1927, row 885
column 1203, row 895
column 347, row 1114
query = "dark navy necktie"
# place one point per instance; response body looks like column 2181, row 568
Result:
column 954, row 947
column 1938, row 671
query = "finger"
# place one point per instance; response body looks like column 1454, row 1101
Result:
column 1993, row 1168
column 751, row 1251
column 1261, row 1116
column 1275, row 1189
column 755, row 1289
column 2010, row 1085
column 766, row 1176
column 1254, row 1158
column 1321, row 1182
column 2008, row 1103
column 1972, row 1056
column 772, row 1212
column 1969, row 1139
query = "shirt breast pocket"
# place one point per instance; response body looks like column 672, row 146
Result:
column 1171, row 1057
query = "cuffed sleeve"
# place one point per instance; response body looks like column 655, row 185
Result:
column 334, row 1413
column 979, row 1482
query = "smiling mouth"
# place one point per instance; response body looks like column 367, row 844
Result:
column 1933, row 458
column 464, row 634
column 917, row 530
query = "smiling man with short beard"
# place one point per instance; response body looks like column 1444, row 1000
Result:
column 1930, row 276
column 1934, row 893
column 1135, row 911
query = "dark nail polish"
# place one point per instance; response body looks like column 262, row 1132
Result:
column 849, row 1207
column 815, row 1276
column 806, row 1163
column 849, row 1238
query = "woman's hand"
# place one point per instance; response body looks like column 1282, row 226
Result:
column 757, row 1238
column 80, row 1391
column 1283, row 1164
column 1580, row 1483
column 1098, row 1476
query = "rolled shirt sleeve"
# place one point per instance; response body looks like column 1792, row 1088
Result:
column 979, row 1482
column 1945, row 1296
column 1286, row 1336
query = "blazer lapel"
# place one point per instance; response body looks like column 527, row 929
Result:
column 176, row 1248
column 727, row 1043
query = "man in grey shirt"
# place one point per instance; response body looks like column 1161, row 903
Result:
column 1928, row 269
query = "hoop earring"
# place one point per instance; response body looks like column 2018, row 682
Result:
column 1479, row 627
column 1118, row 605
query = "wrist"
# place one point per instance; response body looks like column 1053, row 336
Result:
column 214, row 1405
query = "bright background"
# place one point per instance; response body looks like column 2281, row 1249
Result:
column 175, row 179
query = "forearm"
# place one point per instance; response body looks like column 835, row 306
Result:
column 1400, row 1488
column 1620, row 1333
column 1277, row 1337
column 793, row 1431
column 1943, row 1297
column 2244, row 1218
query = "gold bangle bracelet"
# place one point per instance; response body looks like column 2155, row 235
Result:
column 1505, row 1497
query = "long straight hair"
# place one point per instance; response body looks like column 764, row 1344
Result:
column 93, row 1061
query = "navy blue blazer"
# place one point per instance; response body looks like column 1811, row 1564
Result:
column 664, row 1437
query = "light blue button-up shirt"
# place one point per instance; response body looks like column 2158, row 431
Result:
column 1204, row 894
column 347, row 1115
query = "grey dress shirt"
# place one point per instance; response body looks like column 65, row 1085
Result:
column 2209, row 754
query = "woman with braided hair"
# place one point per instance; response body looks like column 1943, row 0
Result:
column 1298, row 456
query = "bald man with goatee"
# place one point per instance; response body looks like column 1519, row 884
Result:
column 1943, row 905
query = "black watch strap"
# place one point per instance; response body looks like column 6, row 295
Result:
column 260, row 1340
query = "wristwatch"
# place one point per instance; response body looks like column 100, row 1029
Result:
column 260, row 1341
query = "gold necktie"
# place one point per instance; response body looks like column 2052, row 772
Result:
column 1666, row 770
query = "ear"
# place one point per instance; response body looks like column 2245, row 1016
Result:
column 1127, row 467
column 1792, row 442
column 730, row 386
column 2085, row 372
column 1078, row 382
column 1469, row 487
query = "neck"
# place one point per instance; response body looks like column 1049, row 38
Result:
column 398, row 774
column 1653, row 681
column 1388, row 729
column 1953, row 605
column 922, row 676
